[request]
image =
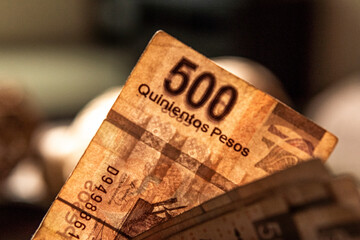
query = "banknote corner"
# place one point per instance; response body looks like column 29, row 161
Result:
column 159, row 33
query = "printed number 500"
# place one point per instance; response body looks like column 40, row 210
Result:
column 219, row 106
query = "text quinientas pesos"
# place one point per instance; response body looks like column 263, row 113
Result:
column 189, row 119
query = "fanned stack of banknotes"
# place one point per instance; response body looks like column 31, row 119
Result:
column 190, row 151
column 303, row 202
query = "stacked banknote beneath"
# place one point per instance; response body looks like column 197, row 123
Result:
column 303, row 202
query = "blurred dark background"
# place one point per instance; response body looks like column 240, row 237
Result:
column 64, row 53
column 67, row 52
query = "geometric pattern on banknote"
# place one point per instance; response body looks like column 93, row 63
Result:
column 294, row 120
column 280, row 130
column 278, row 158
column 145, row 215
column 159, row 128
column 300, row 143
column 171, row 150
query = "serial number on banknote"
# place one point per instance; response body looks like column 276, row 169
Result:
column 87, row 204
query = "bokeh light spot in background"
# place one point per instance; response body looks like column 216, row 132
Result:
column 338, row 110
column 26, row 183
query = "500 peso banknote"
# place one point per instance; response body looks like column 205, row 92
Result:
column 182, row 131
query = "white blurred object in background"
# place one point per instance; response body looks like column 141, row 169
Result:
column 61, row 146
column 25, row 183
column 338, row 110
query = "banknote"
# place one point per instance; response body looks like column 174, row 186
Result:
column 312, row 172
column 182, row 131
column 329, row 222
column 275, row 211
